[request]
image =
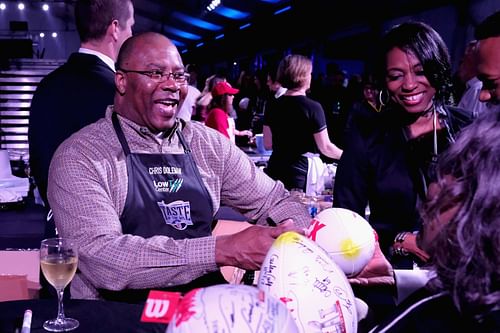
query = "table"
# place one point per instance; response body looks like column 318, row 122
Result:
column 256, row 157
column 22, row 226
column 94, row 316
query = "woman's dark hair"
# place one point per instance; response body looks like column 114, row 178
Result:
column 428, row 47
column 466, row 252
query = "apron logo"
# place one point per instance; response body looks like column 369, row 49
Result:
column 170, row 186
column 176, row 214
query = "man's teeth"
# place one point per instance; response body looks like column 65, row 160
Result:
column 168, row 102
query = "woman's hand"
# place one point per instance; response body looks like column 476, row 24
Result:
column 406, row 243
column 378, row 271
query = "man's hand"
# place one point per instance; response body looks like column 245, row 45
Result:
column 248, row 248
column 378, row 271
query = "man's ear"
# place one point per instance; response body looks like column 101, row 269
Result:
column 120, row 82
column 113, row 29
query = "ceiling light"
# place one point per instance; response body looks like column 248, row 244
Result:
column 20, row 6
column 196, row 22
column 45, row 7
column 2, row 6
column 42, row 34
column 181, row 33
column 213, row 4
column 244, row 26
column 231, row 13
column 177, row 43
column 54, row 34
column 279, row 11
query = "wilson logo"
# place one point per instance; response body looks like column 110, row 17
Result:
column 160, row 306
column 156, row 308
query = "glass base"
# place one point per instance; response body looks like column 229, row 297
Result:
column 55, row 325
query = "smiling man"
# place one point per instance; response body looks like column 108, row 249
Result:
column 138, row 190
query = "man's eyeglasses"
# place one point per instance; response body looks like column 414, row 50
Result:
column 160, row 76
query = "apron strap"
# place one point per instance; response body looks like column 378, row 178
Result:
column 119, row 133
column 184, row 144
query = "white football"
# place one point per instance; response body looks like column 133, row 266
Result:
column 231, row 308
column 346, row 236
column 315, row 290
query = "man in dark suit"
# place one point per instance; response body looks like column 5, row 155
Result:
column 77, row 93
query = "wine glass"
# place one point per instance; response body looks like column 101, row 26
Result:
column 58, row 260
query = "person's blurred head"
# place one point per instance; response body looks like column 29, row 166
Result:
column 272, row 82
column 416, row 65
column 488, row 66
column 467, row 69
column 192, row 69
column 223, row 96
column 461, row 229
column 294, row 72
column 95, row 18
column 370, row 88
column 150, row 98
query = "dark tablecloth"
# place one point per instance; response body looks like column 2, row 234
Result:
column 94, row 316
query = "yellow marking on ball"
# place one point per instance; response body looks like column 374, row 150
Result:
column 288, row 237
column 349, row 249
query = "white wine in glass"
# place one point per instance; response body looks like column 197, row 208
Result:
column 58, row 260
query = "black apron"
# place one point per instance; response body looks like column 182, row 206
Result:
column 166, row 196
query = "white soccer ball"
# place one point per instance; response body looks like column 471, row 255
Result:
column 346, row 236
column 231, row 308
column 315, row 290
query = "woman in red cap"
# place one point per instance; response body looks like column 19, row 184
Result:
column 220, row 108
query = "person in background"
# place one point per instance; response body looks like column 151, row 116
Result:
column 461, row 233
column 204, row 99
column 138, row 190
column 188, row 106
column 334, row 97
column 272, row 83
column 221, row 107
column 295, row 128
column 467, row 73
column 77, row 93
column 192, row 70
column 365, row 112
column 389, row 165
column 488, row 62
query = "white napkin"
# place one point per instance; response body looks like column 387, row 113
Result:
column 315, row 170
column 7, row 195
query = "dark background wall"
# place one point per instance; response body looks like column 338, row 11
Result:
column 347, row 37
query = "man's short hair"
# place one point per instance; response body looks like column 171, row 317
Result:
column 94, row 16
column 488, row 28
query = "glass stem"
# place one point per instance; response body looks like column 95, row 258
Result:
column 60, row 306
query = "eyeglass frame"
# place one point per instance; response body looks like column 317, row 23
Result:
column 163, row 75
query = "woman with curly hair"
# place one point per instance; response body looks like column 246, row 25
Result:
column 461, row 232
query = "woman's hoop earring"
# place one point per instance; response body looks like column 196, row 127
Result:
column 380, row 98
